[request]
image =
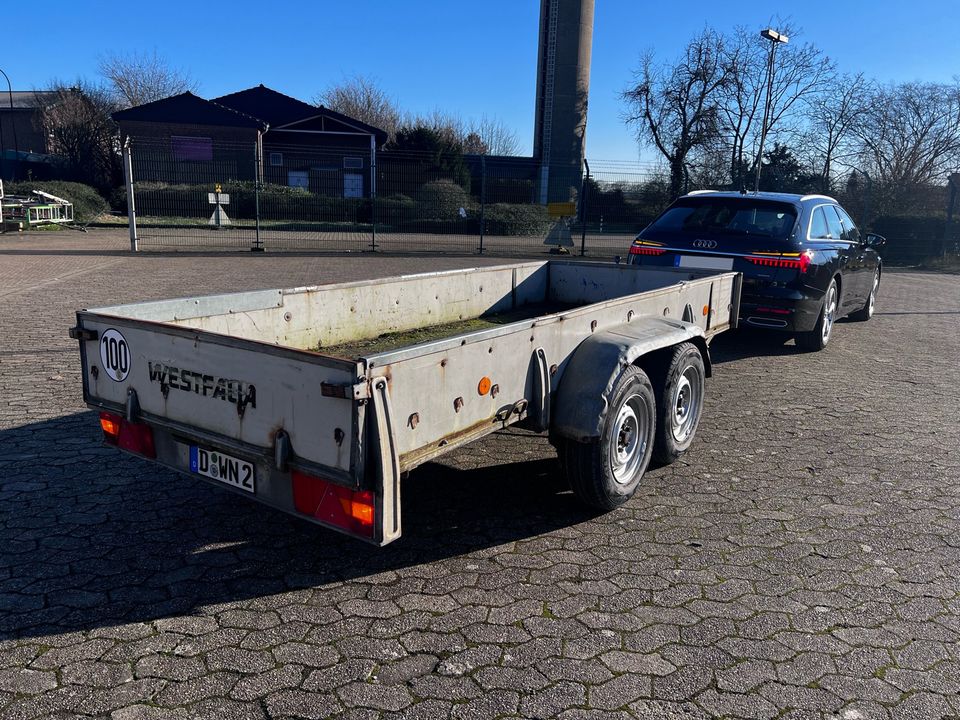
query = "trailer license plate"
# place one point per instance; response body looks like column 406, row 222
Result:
column 225, row 468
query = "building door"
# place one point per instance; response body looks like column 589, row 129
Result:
column 298, row 179
column 352, row 185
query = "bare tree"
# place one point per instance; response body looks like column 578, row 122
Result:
column 497, row 138
column 77, row 121
column 741, row 106
column 910, row 133
column 139, row 78
column 832, row 117
column 361, row 98
column 801, row 73
column 676, row 108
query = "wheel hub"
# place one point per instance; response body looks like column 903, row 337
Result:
column 686, row 404
column 629, row 444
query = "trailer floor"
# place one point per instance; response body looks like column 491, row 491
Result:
column 406, row 338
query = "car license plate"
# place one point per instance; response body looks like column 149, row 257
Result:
column 704, row 262
column 225, row 468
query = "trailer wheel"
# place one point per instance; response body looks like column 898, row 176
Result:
column 604, row 473
column 679, row 403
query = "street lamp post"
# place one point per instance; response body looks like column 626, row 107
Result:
column 775, row 38
column 13, row 126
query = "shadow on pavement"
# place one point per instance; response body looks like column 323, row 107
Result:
column 748, row 342
column 94, row 538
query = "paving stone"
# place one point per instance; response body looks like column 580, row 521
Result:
column 26, row 681
column 253, row 687
column 298, row 703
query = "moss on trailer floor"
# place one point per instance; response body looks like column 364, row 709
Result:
column 405, row 338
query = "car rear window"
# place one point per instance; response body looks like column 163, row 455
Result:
column 729, row 216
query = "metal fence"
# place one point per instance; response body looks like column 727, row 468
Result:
column 237, row 195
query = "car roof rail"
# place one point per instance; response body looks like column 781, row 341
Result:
column 818, row 197
column 700, row 192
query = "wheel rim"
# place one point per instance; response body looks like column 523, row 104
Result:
column 829, row 312
column 686, row 404
column 873, row 292
column 629, row 444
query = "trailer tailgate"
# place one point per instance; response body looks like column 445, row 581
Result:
column 235, row 391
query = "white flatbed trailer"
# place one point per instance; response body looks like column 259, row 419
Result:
column 238, row 389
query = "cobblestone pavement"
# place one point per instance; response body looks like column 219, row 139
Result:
column 801, row 561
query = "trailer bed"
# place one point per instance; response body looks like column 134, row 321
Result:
column 358, row 382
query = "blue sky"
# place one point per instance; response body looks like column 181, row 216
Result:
column 469, row 58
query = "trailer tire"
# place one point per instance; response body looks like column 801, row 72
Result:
column 680, row 393
column 605, row 472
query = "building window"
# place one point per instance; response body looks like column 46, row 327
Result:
column 352, row 185
column 298, row 179
column 191, row 149
column 276, row 159
column 353, row 163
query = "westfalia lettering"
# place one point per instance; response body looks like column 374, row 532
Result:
column 232, row 391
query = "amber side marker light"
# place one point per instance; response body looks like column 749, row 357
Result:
column 483, row 387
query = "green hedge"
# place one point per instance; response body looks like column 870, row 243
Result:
column 436, row 209
column 509, row 219
column 88, row 204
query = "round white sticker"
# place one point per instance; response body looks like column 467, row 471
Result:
column 115, row 355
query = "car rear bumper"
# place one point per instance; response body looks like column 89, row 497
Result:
column 787, row 311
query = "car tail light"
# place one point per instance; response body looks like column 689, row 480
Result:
column 350, row 510
column 801, row 262
column 641, row 250
column 134, row 437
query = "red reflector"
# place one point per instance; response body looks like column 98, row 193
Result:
column 775, row 311
column 335, row 505
column 138, row 438
column 641, row 250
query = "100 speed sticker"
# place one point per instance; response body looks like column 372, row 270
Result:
column 115, row 355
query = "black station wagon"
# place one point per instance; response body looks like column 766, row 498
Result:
column 804, row 262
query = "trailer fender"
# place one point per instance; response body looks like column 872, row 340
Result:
column 581, row 399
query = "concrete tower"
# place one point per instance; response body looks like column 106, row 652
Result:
column 563, row 86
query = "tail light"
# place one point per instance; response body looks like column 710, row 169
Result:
column 801, row 262
column 642, row 250
column 134, row 437
column 350, row 510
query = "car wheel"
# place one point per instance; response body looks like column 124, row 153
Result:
column 679, row 403
column 866, row 312
column 817, row 339
column 605, row 472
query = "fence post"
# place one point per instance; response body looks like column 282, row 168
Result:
column 373, row 193
column 258, row 177
column 952, row 182
column 584, row 189
column 483, row 198
column 131, row 201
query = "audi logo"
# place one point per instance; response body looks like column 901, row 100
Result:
column 705, row 244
